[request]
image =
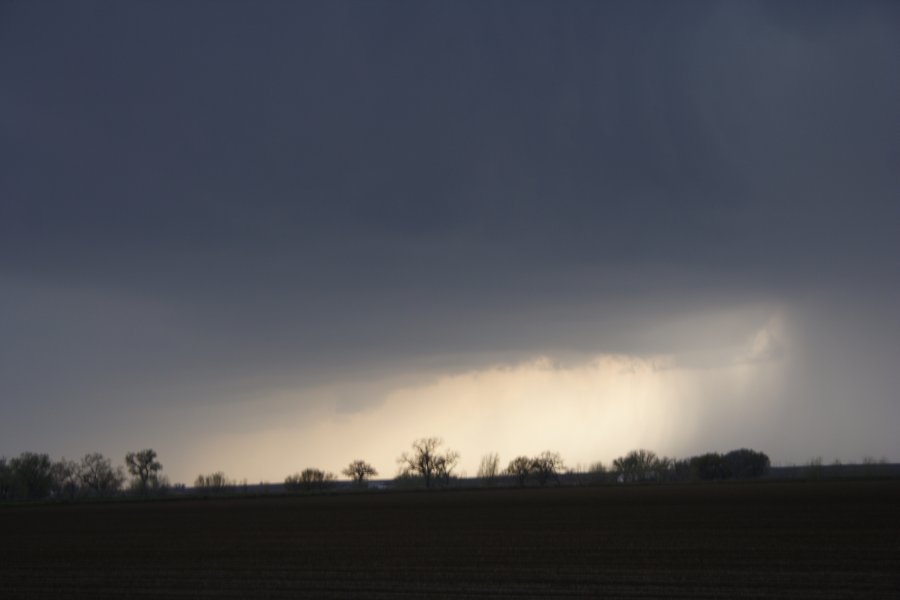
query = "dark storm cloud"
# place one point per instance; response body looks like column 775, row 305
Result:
column 208, row 191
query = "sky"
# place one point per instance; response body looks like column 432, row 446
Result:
column 264, row 236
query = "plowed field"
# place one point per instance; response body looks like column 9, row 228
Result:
column 804, row 540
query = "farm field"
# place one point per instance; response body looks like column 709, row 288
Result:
column 829, row 539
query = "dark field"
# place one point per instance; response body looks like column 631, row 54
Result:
column 811, row 539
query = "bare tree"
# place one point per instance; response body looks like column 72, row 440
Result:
column 65, row 478
column 145, row 469
column 489, row 468
column 520, row 469
column 98, row 476
column 309, row 479
column 214, row 482
column 663, row 469
column 546, row 466
column 359, row 471
column 427, row 461
column 637, row 465
column 444, row 465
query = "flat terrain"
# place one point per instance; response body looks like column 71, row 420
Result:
column 785, row 539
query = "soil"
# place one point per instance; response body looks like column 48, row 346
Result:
column 815, row 539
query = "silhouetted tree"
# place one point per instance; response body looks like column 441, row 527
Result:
column 6, row 480
column 740, row 464
column 546, row 466
column 427, row 461
column 214, row 482
column 98, row 477
column 359, row 471
column 292, row 483
column 443, row 467
column 745, row 463
column 520, row 469
column 710, row 466
column 637, row 465
column 144, row 467
column 682, row 470
column 489, row 468
column 309, row 480
column 32, row 477
column 664, row 469
column 65, row 477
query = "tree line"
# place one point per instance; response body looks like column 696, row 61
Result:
column 427, row 464
column 634, row 467
column 33, row 476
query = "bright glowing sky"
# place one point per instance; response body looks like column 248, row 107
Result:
column 261, row 237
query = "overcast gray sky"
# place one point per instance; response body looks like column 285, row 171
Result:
column 260, row 236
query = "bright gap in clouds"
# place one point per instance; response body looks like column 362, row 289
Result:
column 588, row 410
